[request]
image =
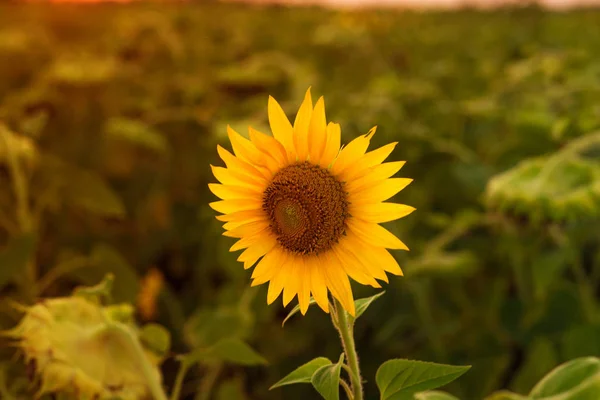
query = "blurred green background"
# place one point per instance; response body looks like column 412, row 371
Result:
column 116, row 112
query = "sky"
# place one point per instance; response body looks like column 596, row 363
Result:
column 430, row 3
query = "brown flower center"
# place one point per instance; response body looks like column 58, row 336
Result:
column 307, row 207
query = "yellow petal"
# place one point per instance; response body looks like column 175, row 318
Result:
column 352, row 153
column 248, row 229
column 234, row 224
column 375, row 235
column 243, row 216
column 317, row 135
column 337, row 282
column 268, row 145
column 379, row 213
column 251, row 255
column 318, row 286
column 359, row 253
column 374, row 176
column 231, row 206
column 244, row 149
column 386, row 261
column 233, row 162
column 264, row 238
column 367, row 161
column 235, row 178
column 303, row 285
column 279, row 279
column 380, row 192
column 228, row 192
column 301, row 124
column 290, row 286
column 281, row 127
column 353, row 268
column 332, row 145
column 267, row 267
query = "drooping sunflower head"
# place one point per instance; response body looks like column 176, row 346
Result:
column 307, row 211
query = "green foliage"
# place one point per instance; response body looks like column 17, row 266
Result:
column 326, row 380
column 15, row 256
column 401, row 379
column 578, row 379
column 361, row 305
column 434, row 395
column 303, row 373
column 563, row 186
column 234, row 351
column 110, row 117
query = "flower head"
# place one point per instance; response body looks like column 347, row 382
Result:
column 307, row 211
column 74, row 353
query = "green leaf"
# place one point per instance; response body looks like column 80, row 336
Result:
column 136, row 133
column 562, row 186
column 232, row 389
column 434, row 395
column 15, row 256
column 90, row 192
column 156, row 338
column 326, row 380
column 206, row 326
column 547, row 269
column 578, row 379
column 361, row 305
column 400, row 379
column 233, row 351
column 296, row 309
column 303, row 373
column 505, row 395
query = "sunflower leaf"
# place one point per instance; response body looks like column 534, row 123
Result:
column 326, row 380
column 236, row 352
column 361, row 305
column 575, row 380
column 400, row 379
column 303, row 373
column 295, row 310
column 232, row 351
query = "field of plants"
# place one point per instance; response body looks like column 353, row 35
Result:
column 110, row 117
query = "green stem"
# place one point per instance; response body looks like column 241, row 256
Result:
column 208, row 382
column 347, row 389
column 586, row 292
column 421, row 291
column 345, row 327
column 183, row 369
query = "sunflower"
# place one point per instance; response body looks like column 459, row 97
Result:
column 307, row 211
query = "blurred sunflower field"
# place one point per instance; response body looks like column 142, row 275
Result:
column 109, row 120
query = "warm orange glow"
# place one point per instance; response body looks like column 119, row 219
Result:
column 444, row 4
